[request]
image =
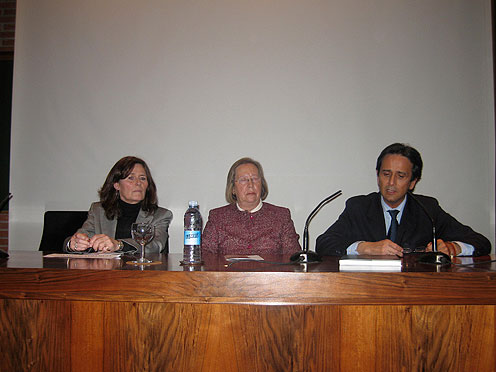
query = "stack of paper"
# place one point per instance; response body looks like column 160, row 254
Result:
column 106, row 255
column 248, row 257
column 369, row 263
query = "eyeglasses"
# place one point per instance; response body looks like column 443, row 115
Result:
column 245, row 180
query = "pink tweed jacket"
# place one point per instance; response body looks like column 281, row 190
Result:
column 268, row 231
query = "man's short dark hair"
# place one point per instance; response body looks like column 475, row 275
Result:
column 406, row 151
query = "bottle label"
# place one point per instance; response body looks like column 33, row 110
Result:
column 192, row 237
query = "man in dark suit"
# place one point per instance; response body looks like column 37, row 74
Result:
column 367, row 224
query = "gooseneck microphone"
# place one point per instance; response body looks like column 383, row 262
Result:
column 306, row 256
column 4, row 202
column 434, row 257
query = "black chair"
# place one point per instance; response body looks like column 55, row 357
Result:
column 57, row 226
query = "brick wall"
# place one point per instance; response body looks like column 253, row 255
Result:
column 7, row 34
column 7, row 25
column 4, row 230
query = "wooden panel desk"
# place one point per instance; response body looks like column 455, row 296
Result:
column 82, row 315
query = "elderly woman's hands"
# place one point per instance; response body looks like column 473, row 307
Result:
column 100, row 242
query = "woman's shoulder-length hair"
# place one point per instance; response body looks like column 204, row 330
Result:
column 109, row 196
column 230, row 197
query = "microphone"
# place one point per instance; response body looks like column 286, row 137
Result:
column 434, row 257
column 3, row 203
column 306, row 256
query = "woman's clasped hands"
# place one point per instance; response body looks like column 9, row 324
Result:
column 99, row 242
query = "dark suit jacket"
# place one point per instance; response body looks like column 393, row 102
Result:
column 363, row 220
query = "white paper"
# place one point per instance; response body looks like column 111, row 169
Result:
column 106, row 255
column 243, row 257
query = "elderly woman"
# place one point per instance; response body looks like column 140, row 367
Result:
column 247, row 225
column 128, row 195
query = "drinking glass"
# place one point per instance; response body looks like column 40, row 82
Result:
column 143, row 234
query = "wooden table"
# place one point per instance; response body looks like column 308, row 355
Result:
column 87, row 315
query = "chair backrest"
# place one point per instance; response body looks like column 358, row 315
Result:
column 57, row 226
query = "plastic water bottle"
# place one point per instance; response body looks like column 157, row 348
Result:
column 193, row 225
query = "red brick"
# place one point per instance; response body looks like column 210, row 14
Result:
column 7, row 34
column 7, row 4
column 8, row 27
column 4, row 232
column 8, row 42
column 9, row 12
column 7, row 19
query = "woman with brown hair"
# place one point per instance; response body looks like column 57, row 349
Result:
column 128, row 195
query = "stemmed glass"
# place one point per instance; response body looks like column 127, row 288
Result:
column 143, row 234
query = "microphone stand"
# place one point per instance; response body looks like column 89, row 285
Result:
column 435, row 257
column 305, row 255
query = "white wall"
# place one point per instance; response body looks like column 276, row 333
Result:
column 312, row 89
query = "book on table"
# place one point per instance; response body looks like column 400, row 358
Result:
column 367, row 262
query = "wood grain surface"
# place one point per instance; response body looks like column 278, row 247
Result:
column 249, row 287
column 154, row 320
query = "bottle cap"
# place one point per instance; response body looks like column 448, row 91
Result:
column 193, row 203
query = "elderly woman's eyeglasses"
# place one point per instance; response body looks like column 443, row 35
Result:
column 245, row 180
